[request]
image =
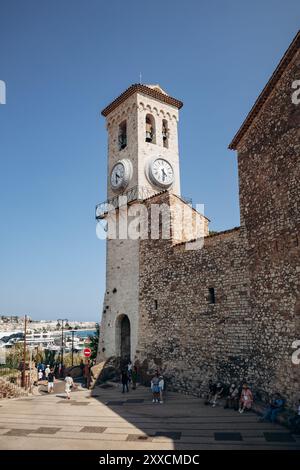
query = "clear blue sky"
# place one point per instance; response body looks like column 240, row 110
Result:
column 63, row 61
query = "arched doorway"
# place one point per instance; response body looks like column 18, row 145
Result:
column 123, row 337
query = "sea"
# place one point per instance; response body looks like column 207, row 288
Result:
column 81, row 333
column 84, row 333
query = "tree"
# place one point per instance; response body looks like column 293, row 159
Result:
column 94, row 340
column 38, row 356
column 15, row 356
column 50, row 356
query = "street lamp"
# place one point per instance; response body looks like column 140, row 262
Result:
column 24, row 354
column 72, row 332
column 31, row 349
column 61, row 323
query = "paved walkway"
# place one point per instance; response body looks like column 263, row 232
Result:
column 110, row 420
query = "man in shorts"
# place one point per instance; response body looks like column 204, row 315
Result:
column 51, row 380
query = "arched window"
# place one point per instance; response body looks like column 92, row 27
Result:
column 165, row 133
column 150, row 129
column 122, row 137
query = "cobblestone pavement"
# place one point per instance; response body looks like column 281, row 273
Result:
column 110, row 420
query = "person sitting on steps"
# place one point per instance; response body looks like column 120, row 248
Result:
column 246, row 399
column 275, row 406
column 218, row 394
column 232, row 400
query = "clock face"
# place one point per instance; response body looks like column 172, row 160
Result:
column 161, row 173
column 117, row 175
column 121, row 174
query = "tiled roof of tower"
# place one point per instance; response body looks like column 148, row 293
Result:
column 286, row 59
column 146, row 90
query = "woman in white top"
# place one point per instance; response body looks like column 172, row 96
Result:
column 47, row 371
column 68, row 385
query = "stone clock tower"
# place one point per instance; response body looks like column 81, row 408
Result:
column 143, row 160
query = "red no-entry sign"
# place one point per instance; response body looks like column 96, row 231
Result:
column 87, row 352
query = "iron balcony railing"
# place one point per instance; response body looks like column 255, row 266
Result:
column 137, row 193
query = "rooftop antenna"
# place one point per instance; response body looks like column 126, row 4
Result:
column 140, row 78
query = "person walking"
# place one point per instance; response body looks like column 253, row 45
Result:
column 87, row 374
column 155, row 388
column 40, row 375
column 125, row 380
column 51, row 380
column 68, row 385
column 47, row 371
column 81, row 365
column 56, row 370
column 134, row 377
column 161, row 385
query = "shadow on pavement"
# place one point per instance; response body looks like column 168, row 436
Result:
column 186, row 423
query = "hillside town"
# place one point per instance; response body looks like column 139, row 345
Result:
column 15, row 322
column 47, row 335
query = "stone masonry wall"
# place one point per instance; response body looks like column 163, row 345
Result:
column 269, row 175
column 179, row 331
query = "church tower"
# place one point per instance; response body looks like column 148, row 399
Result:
column 143, row 160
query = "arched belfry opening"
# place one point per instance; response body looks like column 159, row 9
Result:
column 165, row 133
column 123, row 343
column 150, row 129
column 122, row 136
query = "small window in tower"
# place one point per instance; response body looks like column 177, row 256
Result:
column 122, row 135
column 211, row 295
column 165, row 133
column 150, row 129
column 155, row 304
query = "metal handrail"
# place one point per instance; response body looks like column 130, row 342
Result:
column 137, row 193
